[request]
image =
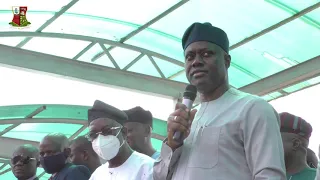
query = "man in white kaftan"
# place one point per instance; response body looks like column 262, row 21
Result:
column 137, row 167
column 108, row 138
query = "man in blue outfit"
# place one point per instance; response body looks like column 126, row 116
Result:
column 54, row 158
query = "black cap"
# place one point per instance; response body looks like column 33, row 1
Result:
column 103, row 110
column 205, row 32
column 138, row 114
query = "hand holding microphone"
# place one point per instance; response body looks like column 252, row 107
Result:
column 179, row 122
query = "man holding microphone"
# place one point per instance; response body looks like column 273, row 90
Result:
column 234, row 135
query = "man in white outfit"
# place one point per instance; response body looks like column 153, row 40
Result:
column 234, row 136
column 108, row 138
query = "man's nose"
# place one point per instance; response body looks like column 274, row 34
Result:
column 198, row 61
column 19, row 163
column 46, row 154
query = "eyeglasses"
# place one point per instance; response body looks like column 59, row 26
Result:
column 23, row 159
column 105, row 132
column 312, row 165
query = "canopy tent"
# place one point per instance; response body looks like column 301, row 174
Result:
column 137, row 45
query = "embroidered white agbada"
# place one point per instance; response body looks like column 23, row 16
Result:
column 137, row 167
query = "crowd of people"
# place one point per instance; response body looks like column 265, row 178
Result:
column 234, row 135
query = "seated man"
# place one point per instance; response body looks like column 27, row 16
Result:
column 312, row 159
column 139, row 126
column 83, row 154
column 295, row 133
column 25, row 161
column 54, row 154
column 108, row 138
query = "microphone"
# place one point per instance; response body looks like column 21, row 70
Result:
column 189, row 96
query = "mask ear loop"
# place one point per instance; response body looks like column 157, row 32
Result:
column 118, row 138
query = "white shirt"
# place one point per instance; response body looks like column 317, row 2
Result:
column 137, row 167
column 236, row 137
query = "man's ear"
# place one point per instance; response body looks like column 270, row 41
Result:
column 296, row 143
column 67, row 152
column 38, row 163
column 85, row 155
column 227, row 60
column 148, row 129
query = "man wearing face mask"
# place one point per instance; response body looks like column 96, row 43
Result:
column 25, row 161
column 54, row 156
column 108, row 138
column 139, row 127
column 295, row 133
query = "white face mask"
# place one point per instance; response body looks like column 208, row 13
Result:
column 107, row 147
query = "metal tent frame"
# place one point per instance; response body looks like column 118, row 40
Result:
column 123, row 78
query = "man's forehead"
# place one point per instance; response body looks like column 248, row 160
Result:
column 24, row 152
column 78, row 143
column 79, row 146
column 133, row 124
column 101, row 123
column 74, row 146
column 196, row 46
column 48, row 143
column 311, row 155
column 309, row 151
column 288, row 136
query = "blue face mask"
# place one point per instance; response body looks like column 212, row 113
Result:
column 54, row 163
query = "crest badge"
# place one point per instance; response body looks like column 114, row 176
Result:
column 19, row 17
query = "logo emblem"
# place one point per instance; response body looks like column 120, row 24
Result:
column 19, row 17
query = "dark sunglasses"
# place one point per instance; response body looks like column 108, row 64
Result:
column 23, row 159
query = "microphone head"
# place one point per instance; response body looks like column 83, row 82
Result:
column 190, row 92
